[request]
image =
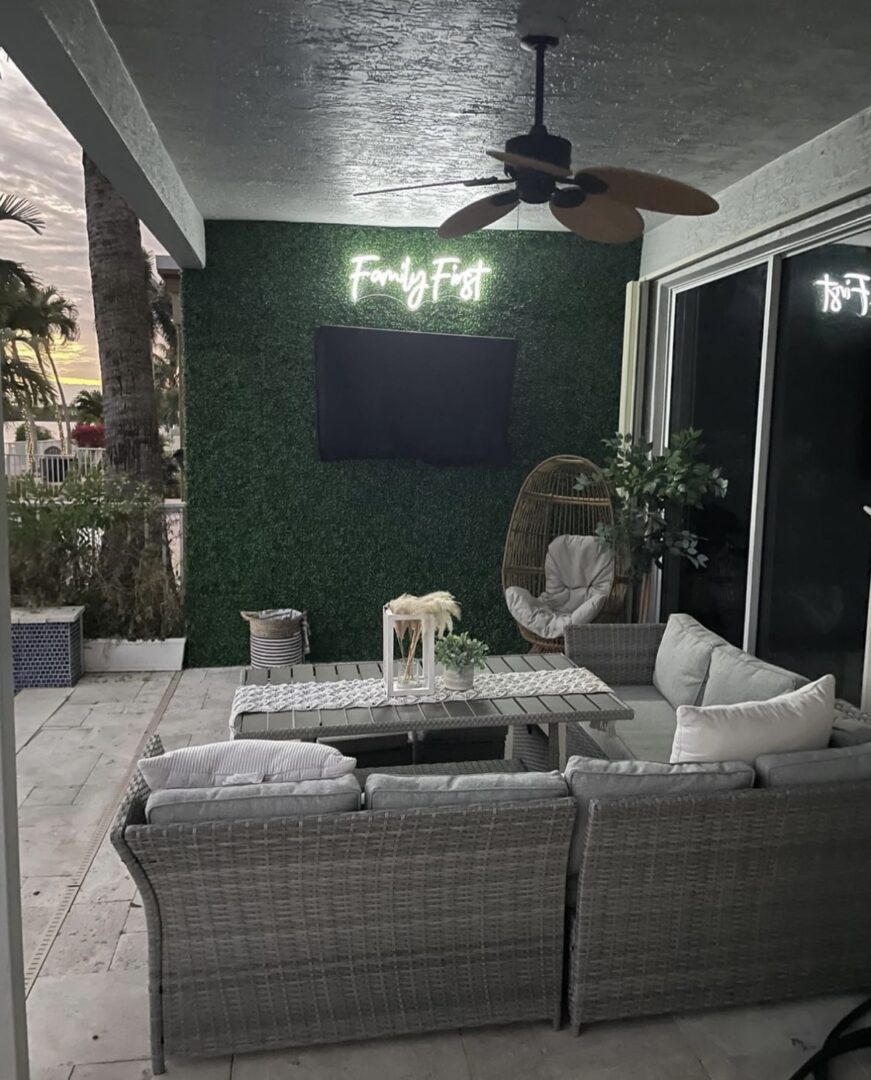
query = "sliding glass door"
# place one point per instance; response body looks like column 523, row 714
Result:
column 715, row 388
column 773, row 364
column 816, row 544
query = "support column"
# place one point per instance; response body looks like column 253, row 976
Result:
column 13, row 1024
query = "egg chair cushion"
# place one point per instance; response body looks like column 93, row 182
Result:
column 578, row 575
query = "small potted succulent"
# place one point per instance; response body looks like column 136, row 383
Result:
column 460, row 655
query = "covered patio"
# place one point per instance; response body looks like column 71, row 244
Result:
column 313, row 321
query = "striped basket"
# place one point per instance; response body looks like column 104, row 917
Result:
column 277, row 639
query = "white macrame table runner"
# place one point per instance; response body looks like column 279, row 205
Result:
column 370, row 693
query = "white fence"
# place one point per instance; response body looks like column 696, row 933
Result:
column 50, row 465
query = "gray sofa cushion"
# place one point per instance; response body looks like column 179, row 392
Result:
column 682, row 660
column 736, row 676
column 815, row 766
column 649, row 735
column 174, row 806
column 849, row 732
column 386, row 792
column 593, row 778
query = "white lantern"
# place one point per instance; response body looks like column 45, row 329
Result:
column 412, row 672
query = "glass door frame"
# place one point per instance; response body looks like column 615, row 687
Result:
column 654, row 370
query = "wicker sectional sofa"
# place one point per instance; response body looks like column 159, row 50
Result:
column 404, row 917
column 291, row 931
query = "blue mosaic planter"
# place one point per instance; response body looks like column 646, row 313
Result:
column 46, row 647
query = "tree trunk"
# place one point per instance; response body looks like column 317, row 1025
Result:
column 66, row 445
column 123, row 323
column 29, row 422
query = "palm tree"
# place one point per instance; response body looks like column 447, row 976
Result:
column 14, row 208
column 24, row 388
column 88, row 405
column 121, row 309
column 21, row 384
column 54, row 317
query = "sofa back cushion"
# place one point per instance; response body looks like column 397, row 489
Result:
column 848, row 732
column 800, row 720
column 815, row 766
column 302, row 798
column 736, row 676
column 683, row 659
column 244, row 761
column 596, row 778
column 387, row 792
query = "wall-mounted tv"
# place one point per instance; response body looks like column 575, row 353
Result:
column 439, row 398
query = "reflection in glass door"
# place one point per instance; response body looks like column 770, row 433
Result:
column 816, row 543
column 716, row 362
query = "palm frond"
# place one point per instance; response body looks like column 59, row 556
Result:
column 14, row 208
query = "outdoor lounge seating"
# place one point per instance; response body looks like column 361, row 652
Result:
column 292, row 931
column 549, row 506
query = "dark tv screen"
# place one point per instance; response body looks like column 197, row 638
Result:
column 439, row 398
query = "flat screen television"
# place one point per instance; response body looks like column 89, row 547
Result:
column 439, row 398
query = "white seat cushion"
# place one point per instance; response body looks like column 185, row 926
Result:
column 578, row 575
column 302, row 798
column 800, row 720
column 244, row 761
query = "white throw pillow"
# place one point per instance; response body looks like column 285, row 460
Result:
column 244, row 761
column 799, row 720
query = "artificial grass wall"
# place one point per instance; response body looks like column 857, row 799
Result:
column 269, row 525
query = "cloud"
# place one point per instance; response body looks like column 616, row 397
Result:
column 41, row 161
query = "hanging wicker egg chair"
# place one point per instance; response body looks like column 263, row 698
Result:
column 549, row 505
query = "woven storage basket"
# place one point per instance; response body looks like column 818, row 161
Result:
column 277, row 639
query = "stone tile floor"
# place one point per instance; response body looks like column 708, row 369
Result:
column 85, row 935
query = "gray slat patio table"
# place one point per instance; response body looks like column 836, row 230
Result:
column 552, row 713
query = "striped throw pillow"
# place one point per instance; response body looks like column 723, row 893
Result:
column 244, row 761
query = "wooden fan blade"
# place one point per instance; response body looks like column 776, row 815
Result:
column 601, row 219
column 649, row 191
column 478, row 214
column 521, row 161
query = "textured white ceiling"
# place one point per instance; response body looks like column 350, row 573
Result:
column 280, row 109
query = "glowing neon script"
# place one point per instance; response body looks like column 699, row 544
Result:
column 419, row 285
column 835, row 292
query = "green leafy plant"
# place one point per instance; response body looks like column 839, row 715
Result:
column 40, row 432
column 96, row 541
column 651, row 493
column 458, row 651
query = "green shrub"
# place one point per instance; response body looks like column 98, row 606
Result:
column 99, row 542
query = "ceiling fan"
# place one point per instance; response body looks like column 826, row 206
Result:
column 598, row 203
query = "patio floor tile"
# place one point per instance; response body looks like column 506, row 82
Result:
column 219, row 1069
column 413, row 1057
column 87, row 939
column 50, row 795
column 79, row 1019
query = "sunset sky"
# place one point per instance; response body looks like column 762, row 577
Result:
column 41, row 161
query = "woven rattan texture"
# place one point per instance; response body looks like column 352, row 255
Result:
column 621, row 654
column 289, row 932
column 703, row 902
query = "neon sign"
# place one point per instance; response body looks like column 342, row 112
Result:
column 448, row 278
column 851, row 287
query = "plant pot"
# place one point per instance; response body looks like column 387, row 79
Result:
column 459, row 680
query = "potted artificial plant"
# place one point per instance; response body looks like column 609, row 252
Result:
column 460, row 654
column 651, row 496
